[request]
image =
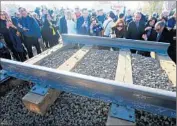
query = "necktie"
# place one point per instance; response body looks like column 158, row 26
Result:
column 158, row 37
column 137, row 26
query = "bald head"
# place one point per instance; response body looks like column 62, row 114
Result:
column 159, row 26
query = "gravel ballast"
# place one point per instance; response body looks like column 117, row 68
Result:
column 99, row 63
column 69, row 109
column 147, row 72
column 58, row 58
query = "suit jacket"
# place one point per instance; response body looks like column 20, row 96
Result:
column 63, row 26
column 166, row 36
column 133, row 33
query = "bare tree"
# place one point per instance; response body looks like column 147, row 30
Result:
column 152, row 6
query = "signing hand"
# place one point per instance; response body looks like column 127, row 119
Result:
column 144, row 36
column 113, row 35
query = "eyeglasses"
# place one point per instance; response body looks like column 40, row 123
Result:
column 158, row 29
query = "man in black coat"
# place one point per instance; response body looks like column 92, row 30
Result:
column 164, row 35
column 135, row 29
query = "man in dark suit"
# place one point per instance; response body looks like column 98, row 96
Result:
column 135, row 29
column 83, row 23
column 164, row 35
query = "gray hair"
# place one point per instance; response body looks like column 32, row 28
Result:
column 160, row 23
column 137, row 12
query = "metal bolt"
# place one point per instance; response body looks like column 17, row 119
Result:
column 114, row 112
column 42, row 92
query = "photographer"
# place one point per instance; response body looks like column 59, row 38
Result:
column 95, row 27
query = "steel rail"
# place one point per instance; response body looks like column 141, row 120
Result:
column 139, row 97
column 160, row 47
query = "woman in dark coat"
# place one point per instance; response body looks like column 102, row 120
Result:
column 12, row 38
column 49, row 32
column 149, row 34
column 118, row 31
column 149, row 30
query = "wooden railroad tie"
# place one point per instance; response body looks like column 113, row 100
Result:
column 124, row 75
column 167, row 65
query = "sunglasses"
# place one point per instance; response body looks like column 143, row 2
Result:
column 120, row 26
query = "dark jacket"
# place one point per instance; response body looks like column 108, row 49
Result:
column 83, row 30
column 172, row 48
column 31, row 24
column 16, row 40
column 143, row 18
column 119, row 34
column 63, row 26
column 4, row 52
column 47, row 32
column 5, row 32
column 133, row 32
column 151, row 34
column 13, row 41
column 166, row 36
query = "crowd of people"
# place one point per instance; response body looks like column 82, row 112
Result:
column 43, row 27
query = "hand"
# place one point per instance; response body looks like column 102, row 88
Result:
column 144, row 36
column 113, row 35
column 74, row 17
column 148, row 28
column 91, row 26
column 7, row 24
column 19, row 25
column 84, row 24
column 25, row 29
column 39, row 39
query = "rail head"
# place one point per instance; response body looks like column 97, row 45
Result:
column 139, row 97
column 159, row 47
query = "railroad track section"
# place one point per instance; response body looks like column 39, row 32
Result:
column 123, row 95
